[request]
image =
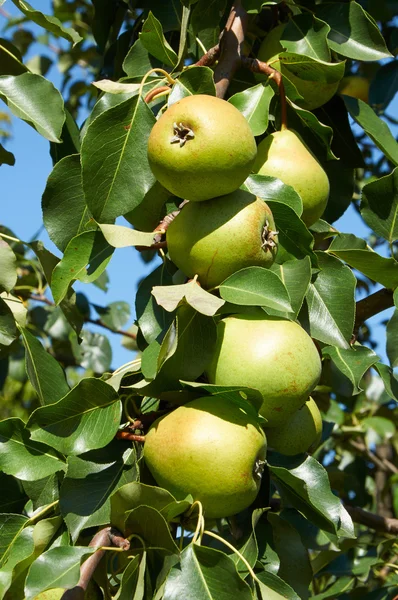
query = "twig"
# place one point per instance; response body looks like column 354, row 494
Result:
column 383, row 464
column 106, row 537
column 45, row 300
column 370, row 306
column 231, row 42
column 376, row 522
column 162, row 228
column 208, row 59
column 153, row 93
column 131, row 437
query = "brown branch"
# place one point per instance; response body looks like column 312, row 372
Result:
column 208, row 59
column 372, row 305
column 106, row 537
column 131, row 437
column 162, row 227
column 376, row 522
column 231, row 43
column 45, row 300
column 383, row 464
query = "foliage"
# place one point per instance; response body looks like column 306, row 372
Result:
column 70, row 438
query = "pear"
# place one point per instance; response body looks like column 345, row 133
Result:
column 53, row 594
column 315, row 93
column 301, row 433
column 209, row 448
column 284, row 155
column 220, row 236
column 355, row 86
column 201, row 147
column 273, row 355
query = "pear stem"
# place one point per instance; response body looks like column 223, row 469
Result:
column 163, row 90
column 231, row 547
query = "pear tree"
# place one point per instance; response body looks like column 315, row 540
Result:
column 245, row 154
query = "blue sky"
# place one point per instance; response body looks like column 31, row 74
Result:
column 20, row 210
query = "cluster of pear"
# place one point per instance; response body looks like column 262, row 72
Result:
column 202, row 149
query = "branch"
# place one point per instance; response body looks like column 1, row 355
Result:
column 106, row 537
column 258, row 66
column 382, row 463
column 372, row 305
column 231, row 42
column 45, row 300
column 376, row 522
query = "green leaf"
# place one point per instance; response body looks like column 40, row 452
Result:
column 153, row 40
column 90, row 481
column 8, row 267
column 115, row 315
column 65, row 213
column 85, row 419
column 389, row 379
column 116, row 173
column 122, row 237
column 152, row 318
column 138, row 61
column 271, row 188
column 58, row 567
column 255, row 286
column 322, row 132
column 353, row 363
column 304, row 483
column 305, row 34
column 254, row 103
column 86, row 257
column 6, row 158
column 384, row 86
column 149, row 524
column 341, row 180
column 135, row 494
column 16, row 306
column 44, row 371
column 294, row 240
column 170, row 296
column 311, row 70
column 22, row 457
column 8, row 329
column 35, row 100
column 10, row 527
column 10, row 59
column 274, row 588
column 331, row 302
column 353, row 33
column 296, row 276
column 15, row 499
column 205, row 21
column 205, row 574
column 48, row 22
column 379, row 206
column 342, row 585
column 42, row 491
column 132, row 578
column 392, row 339
column 194, row 80
column 376, row 129
column 358, row 255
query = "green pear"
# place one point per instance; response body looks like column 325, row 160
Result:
column 215, row 238
column 284, row 155
column 301, row 433
column 273, row 355
column 315, row 93
column 209, row 448
column 53, row 594
column 201, row 147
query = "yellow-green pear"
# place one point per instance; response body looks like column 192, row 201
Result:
column 201, row 147
column 209, row 448
column 53, row 594
column 213, row 239
column 315, row 93
column 273, row 355
column 355, row 86
column 284, row 155
column 301, row 433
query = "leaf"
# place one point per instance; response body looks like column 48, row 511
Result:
column 153, row 40
column 331, row 302
column 353, row 33
column 296, row 277
column 305, row 34
column 6, row 157
column 22, row 457
column 44, row 371
column 389, row 379
column 379, row 206
column 205, row 574
column 392, row 339
column 152, row 318
column 90, row 481
column 294, row 239
column 322, row 132
column 341, row 180
column 132, row 577
column 303, row 482
column 58, row 567
column 376, row 128
column 384, row 86
column 85, row 258
column 116, row 87
column 358, row 255
column 122, row 237
column 135, row 494
column 10, row 59
column 312, row 71
column 85, row 419
column 35, row 100
column 254, row 103
column 116, row 173
column 48, row 22
column 42, row 491
column 115, row 315
column 138, row 61
column 65, row 213
column 194, row 80
column 10, row 527
column 8, row 267
column 353, row 363
column 274, row 588
column 152, row 527
column 170, row 297
column 8, row 330
column 16, row 306
column 255, row 286
column 271, row 188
